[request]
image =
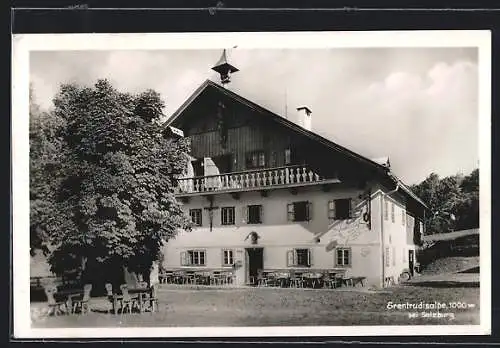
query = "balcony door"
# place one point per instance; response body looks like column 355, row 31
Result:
column 224, row 163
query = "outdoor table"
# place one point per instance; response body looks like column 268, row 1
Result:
column 68, row 295
column 142, row 294
column 312, row 279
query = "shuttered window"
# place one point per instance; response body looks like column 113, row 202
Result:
column 299, row 258
column 393, row 213
column 299, row 211
column 343, row 257
column 386, row 209
column 340, row 209
column 227, row 257
column 196, row 216
column 193, row 258
column 227, row 215
column 254, row 214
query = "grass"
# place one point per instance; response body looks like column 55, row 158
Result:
column 181, row 307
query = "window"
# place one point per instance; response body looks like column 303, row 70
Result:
column 387, row 257
column 288, row 156
column 393, row 217
column 193, row 258
column 299, row 211
column 273, row 159
column 403, row 217
column 227, row 215
column 227, row 257
column 394, row 256
column 256, row 159
column 343, row 257
column 386, row 209
column 299, row 257
column 340, row 209
column 196, row 216
column 254, row 214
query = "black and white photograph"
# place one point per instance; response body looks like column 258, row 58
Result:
column 251, row 184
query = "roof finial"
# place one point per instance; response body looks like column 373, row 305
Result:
column 224, row 69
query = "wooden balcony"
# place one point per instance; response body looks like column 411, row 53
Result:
column 264, row 179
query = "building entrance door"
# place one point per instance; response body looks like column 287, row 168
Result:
column 255, row 263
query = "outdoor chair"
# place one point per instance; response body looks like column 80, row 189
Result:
column 261, row 279
column 296, row 281
column 113, row 298
column 54, row 306
column 216, row 278
column 83, row 303
column 142, row 285
column 272, row 280
column 153, row 299
column 227, row 278
column 127, row 300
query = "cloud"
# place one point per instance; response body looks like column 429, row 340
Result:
column 424, row 123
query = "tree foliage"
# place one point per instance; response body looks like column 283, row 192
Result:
column 453, row 201
column 114, row 193
column 45, row 159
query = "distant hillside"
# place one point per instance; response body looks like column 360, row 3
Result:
column 451, row 265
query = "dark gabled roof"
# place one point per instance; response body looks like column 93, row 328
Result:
column 293, row 126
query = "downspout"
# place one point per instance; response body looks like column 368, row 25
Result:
column 382, row 205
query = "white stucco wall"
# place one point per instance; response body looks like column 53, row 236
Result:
column 277, row 235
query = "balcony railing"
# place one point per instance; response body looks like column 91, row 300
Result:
column 249, row 180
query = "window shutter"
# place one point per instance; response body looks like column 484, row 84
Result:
column 244, row 214
column 222, row 257
column 183, row 258
column 331, row 209
column 261, row 212
column 309, row 257
column 350, row 208
column 290, row 258
column 309, row 211
column 290, row 212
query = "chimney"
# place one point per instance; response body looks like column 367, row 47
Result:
column 304, row 117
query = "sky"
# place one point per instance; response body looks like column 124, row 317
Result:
column 418, row 106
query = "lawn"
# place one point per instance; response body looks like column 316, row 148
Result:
column 279, row 307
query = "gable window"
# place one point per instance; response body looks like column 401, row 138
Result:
column 227, row 257
column 255, row 159
column 299, row 257
column 193, row 258
column 254, row 214
column 227, row 216
column 196, row 216
column 299, row 211
column 386, row 209
column 343, row 257
column 340, row 209
column 393, row 214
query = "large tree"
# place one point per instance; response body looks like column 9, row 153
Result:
column 453, row 201
column 117, row 177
